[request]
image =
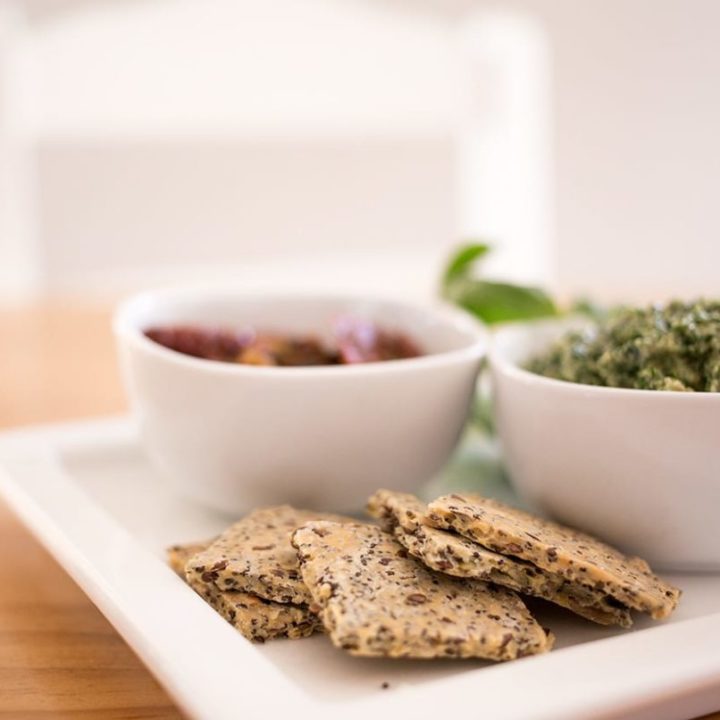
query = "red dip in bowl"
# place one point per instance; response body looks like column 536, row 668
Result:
column 353, row 341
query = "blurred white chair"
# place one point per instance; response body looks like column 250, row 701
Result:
column 303, row 142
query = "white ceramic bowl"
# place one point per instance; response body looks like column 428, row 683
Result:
column 639, row 468
column 236, row 437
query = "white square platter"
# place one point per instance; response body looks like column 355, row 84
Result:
column 88, row 492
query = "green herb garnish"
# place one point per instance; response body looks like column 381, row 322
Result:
column 492, row 302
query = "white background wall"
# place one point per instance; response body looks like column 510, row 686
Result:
column 636, row 108
column 580, row 135
column 169, row 134
column 20, row 256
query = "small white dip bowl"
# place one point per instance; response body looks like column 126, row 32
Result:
column 235, row 437
column 639, row 468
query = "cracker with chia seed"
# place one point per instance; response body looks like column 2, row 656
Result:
column 550, row 546
column 255, row 555
column 377, row 601
column 256, row 618
column 455, row 555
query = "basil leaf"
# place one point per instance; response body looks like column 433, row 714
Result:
column 495, row 302
column 463, row 261
column 492, row 302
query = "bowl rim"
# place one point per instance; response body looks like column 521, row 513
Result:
column 128, row 332
column 501, row 364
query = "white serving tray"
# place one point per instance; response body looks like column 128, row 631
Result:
column 89, row 494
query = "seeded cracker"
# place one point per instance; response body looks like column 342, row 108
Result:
column 178, row 555
column 376, row 601
column 555, row 548
column 257, row 619
column 255, row 555
column 450, row 553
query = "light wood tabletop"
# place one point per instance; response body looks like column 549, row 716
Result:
column 59, row 657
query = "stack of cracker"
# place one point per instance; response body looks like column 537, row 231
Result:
column 471, row 536
column 432, row 581
column 282, row 572
column 251, row 575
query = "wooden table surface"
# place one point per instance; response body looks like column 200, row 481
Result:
column 59, row 657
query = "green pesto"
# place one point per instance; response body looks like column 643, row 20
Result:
column 663, row 347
